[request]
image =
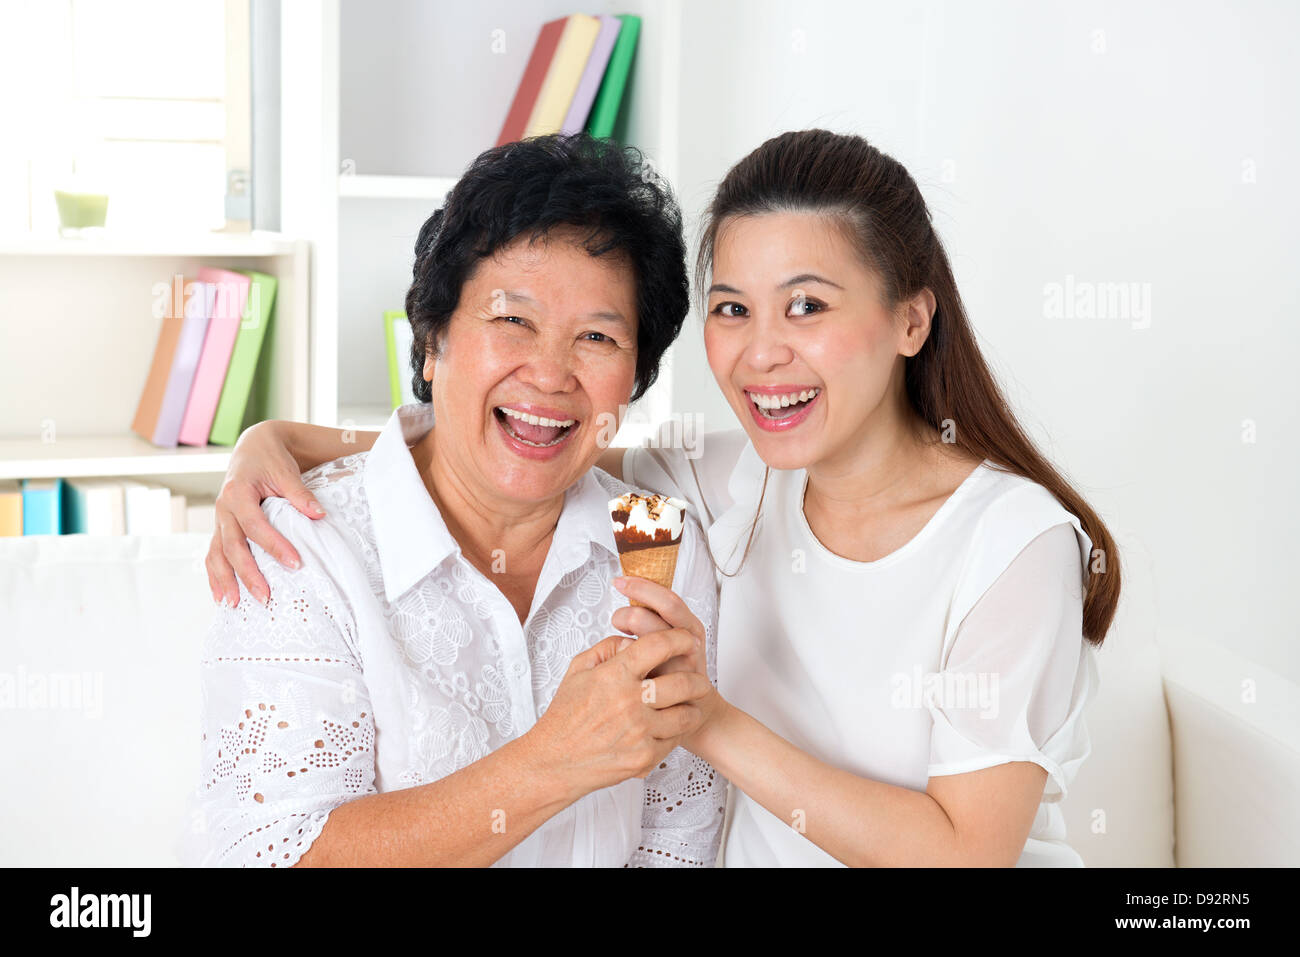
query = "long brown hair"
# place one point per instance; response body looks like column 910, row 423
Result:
column 879, row 204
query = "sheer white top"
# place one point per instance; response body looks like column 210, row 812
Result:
column 961, row 650
column 388, row 661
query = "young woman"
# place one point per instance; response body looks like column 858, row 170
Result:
column 910, row 592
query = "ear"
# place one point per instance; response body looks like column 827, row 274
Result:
column 918, row 313
column 430, row 359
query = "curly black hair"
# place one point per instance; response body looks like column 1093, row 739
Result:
column 538, row 184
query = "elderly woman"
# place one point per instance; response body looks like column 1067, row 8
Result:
column 438, row 682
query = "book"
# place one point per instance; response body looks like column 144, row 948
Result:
column 562, row 76
column 148, row 508
column 539, row 61
column 604, row 112
column 94, row 506
column 42, row 506
column 592, row 74
column 196, row 309
column 11, row 508
column 179, row 513
column 201, row 514
column 399, row 339
column 229, row 296
column 155, row 384
column 258, row 313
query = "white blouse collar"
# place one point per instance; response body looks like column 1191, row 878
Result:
column 410, row 535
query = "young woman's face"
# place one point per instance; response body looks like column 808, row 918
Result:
column 543, row 332
column 800, row 339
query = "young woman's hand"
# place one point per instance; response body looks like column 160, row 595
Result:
column 261, row 467
column 664, row 609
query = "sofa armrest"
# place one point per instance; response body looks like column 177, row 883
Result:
column 1236, row 737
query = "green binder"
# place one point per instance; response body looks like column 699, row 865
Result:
column 229, row 419
column 605, row 110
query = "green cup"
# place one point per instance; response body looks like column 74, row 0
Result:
column 80, row 210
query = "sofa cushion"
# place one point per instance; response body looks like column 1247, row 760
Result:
column 100, row 640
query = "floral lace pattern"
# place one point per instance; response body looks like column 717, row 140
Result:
column 291, row 728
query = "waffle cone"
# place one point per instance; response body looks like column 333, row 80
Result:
column 657, row 564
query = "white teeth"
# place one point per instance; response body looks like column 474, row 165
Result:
column 781, row 401
column 537, row 419
column 539, row 445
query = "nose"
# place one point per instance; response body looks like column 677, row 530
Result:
column 767, row 347
column 550, row 367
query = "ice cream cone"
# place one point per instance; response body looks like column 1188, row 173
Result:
column 656, row 564
column 647, row 533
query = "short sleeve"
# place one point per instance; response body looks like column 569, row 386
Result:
column 1017, row 676
column 288, row 731
column 696, row 469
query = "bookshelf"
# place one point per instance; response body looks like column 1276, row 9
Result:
column 357, row 183
column 101, row 455
column 70, row 396
column 366, row 178
column 149, row 245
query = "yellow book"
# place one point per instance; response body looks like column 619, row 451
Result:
column 563, row 75
column 11, row 509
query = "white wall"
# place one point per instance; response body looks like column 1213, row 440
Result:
column 423, row 88
column 1109, row 142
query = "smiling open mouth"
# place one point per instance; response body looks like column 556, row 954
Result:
column 778, row 407
column 534, row 430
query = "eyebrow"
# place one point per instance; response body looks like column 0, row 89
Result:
column 608, row 315
column 803, row 277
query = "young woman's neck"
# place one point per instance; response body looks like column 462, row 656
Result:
column 879, row 468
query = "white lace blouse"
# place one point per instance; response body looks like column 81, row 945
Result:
column 388, row 661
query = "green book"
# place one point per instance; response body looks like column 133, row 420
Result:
column 229, row 419
column 605, row 110
column 398, row 338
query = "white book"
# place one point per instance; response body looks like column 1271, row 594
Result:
column 148, row 508
column 178, row 512
column 99, row 504
column 201, row 514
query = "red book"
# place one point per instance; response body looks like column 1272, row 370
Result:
column 534, row 75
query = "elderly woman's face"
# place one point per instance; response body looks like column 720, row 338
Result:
column 540, row 349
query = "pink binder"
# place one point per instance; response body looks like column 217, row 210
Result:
column 223, row 328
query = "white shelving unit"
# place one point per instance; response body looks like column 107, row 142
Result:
column 365, row 179
column 116, row 455
column 79, row 334
column 149, row 245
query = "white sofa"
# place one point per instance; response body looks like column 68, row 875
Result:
column 1183, row 771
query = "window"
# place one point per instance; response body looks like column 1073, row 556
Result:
column 145, row 100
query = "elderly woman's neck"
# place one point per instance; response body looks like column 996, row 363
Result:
column 492, row 530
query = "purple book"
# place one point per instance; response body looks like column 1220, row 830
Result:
column 592, row 74
column 198, row 309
